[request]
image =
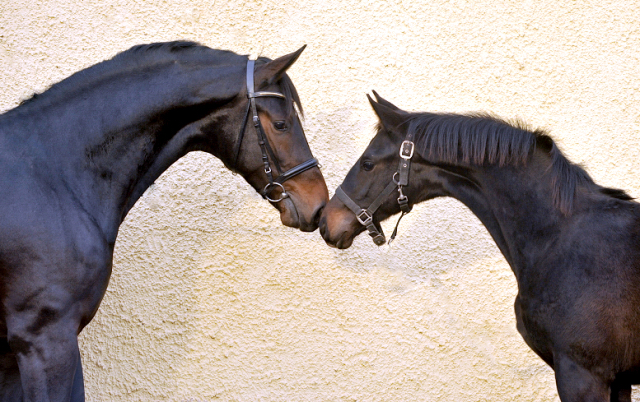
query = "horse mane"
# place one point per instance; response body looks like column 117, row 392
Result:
column 144, row 56
column 479, row 139
column 135, row 58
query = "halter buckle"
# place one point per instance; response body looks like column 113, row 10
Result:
column 368, row 218
column 379, row 239
column 406, row 149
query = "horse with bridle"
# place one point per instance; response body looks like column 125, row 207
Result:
column 76, row 158
column 573, row 245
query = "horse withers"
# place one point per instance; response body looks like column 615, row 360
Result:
column 77, row 157
column 573, row 245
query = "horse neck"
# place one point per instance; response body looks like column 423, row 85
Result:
column 515, row 204
column 119, row 136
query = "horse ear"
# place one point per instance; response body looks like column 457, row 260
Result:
column 272, row 71
column 389, row 117
column 385, row 102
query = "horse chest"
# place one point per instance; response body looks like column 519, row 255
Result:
column 534, row 327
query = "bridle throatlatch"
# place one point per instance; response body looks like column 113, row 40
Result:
column 399, row 180
column 267, row 151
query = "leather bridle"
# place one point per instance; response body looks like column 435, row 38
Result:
column 267, row 151
column 365, row 215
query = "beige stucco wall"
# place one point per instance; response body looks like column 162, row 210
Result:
column 212, row 299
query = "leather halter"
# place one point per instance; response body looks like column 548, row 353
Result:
column 365, row 215
column 267, row 151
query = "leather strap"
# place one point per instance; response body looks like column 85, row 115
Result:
column 365, row 215
column 296, row 170
column 238, row 145
column 265, row 148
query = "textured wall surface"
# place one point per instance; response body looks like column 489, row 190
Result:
column 212, row 299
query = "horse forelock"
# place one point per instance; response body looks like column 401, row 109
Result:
column 479, row 139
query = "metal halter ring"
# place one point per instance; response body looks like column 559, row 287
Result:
column 268, row 189
column 397, row 182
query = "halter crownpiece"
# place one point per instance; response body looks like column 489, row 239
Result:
column 265, row 147
column 365, row 215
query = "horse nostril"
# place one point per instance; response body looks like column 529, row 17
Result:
column 322, row 223
column 324, row 230
column 318, row 214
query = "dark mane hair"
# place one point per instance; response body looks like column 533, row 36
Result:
column 145, row 56
column 135, row 58
column 478, row 139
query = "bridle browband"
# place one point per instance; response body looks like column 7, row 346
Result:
column 365, row 215
column 267, row 151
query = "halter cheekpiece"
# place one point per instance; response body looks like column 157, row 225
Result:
column 399, row 179
column 267, row 151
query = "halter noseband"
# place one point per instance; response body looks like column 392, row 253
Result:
column 365, row 215
column 267, row 152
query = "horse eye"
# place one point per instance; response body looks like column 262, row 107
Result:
column 280, row 125
column 367, row 165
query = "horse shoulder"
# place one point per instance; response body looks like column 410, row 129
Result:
column 48, row 239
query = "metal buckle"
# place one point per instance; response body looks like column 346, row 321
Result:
column 406, row 149
column 401, row 197
column 367, row 215
column 379, row 239
column 265, row 193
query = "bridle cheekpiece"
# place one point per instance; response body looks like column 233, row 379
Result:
column 267, row 152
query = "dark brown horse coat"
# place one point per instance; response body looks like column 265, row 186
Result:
column 74, row 160
column 573, row 245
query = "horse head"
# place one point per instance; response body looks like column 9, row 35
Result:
column 263, row 140
column 377, row 185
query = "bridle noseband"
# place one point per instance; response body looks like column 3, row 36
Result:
column 267, row 152
column 365, row 215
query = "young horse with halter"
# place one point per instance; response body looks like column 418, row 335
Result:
column 77, row 157
column 573, row 245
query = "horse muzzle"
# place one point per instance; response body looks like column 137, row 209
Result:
column 338, row 225
column 306, row 199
